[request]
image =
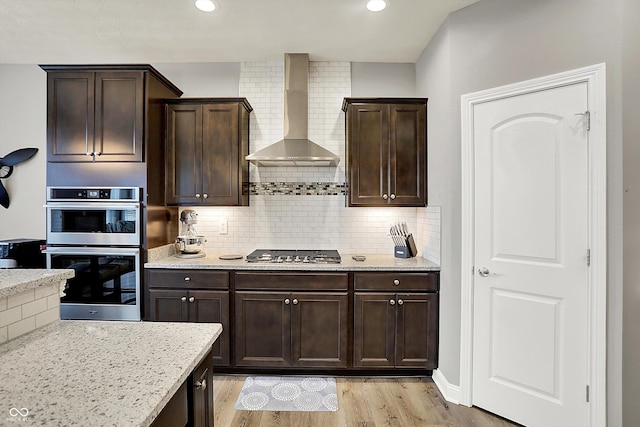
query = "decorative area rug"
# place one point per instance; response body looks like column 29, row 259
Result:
column 288, row 394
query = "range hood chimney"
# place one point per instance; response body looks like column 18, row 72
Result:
column 295, row 149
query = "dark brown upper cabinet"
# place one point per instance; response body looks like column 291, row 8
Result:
column 386, row 151
column 99, row 113
column 207, row 140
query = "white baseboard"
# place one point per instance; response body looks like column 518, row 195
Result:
column 450, row 392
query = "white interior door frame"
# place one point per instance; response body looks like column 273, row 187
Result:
column 595, row 78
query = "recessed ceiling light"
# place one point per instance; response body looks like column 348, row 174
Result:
column 206, row 5
column 376, row 5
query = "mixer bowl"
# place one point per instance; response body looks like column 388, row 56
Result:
column 189, row 244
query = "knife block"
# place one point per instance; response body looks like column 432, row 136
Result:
column 409, row 250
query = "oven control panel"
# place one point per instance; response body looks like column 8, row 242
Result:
column 122, row 194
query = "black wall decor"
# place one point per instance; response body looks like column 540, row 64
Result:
column 6, row 169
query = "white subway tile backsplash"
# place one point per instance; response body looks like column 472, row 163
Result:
column 11, row 315
column 26, row 311
column 14, row 330
column 21, row 298
column 307, row 221
column 34, row 307
column 48, row 316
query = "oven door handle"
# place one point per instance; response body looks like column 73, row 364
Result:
column 70, row 250
column 92, row 205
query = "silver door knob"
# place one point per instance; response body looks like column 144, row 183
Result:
column 384, row 196
column 392, row 302
column 192, row 299
column 287, row 301
column 484, row 272
column 295, row 301
column 201, row 385
column 400, row 302
column 396, row 282
column 187, row 279
column 393, row 196
column 183, row 299
column 205, row 195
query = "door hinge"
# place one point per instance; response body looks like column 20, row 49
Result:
column 587, row 393
column 587, row 116
column 588, row 257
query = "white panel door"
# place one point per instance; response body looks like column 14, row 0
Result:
column 530, row 337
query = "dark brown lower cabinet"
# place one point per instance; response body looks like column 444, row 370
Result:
column 181, row 296
column 201, row 388
column 291, row 329
column 395, row 330
column 192, row 404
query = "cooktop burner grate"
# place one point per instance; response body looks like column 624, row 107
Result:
column 294, row 256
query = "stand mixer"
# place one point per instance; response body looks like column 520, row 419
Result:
column 189, row 243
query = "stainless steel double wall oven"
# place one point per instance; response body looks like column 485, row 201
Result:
column 97, row 231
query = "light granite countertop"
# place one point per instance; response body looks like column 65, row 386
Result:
column 372, row 263
column 16, row 280
column 81, row 373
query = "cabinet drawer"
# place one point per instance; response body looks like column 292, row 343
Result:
column 188, row 279
column 293, row 281
column 396, row 281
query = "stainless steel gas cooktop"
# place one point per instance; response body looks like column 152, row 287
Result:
column 294, row 256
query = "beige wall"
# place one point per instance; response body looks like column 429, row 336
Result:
column 497, row 42
column 23, row 123
column 631, row 167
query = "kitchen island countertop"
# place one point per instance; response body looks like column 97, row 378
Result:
column 14, row 281
column 98, row 373
column 372, row 263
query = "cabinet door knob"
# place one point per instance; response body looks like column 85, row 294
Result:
column 192, row 299
column 197, row 195
column 400, row 302
column 88, row 153
column 392, row 302
column 201, row 385
column 99, row 153
column 393, row 196
column 286, row 301
column 396, row 282
column 187, row 279
column 205, row 195
column 183, row 299
column 295, row 301
column 384, row 196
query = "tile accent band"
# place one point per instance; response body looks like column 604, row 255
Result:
column 298, row 188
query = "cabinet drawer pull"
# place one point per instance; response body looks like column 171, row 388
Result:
column 396, row 282
column 192, row 299
column 286, row 301
column 393, row 196
column 392, row 302
column 295, row 301
column 400, row 302
column 183, row 299
column 187, row 279
column 384, row 196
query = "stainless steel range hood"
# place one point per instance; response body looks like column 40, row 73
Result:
column 295, row 149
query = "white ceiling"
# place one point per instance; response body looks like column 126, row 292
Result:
column 156, row 31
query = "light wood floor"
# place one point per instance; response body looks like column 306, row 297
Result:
column 362, row 402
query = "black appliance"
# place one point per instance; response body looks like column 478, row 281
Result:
column 26, row 252
column 294, row 256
